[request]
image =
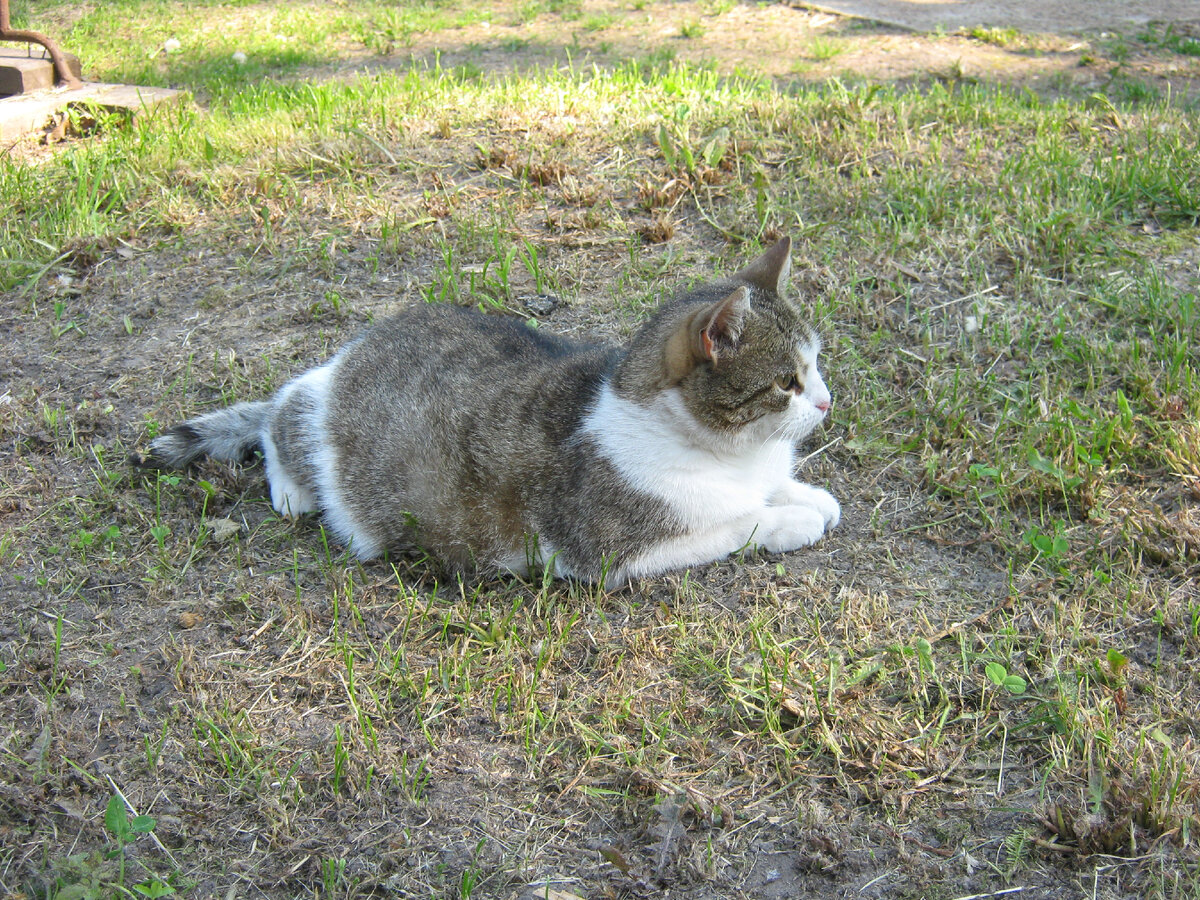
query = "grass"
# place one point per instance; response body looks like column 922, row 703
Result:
column 1000, row 37
column 1172, row 39
column 824, row 49
column 982, row 680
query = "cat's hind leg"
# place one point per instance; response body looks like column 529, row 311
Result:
column 291, row 443
column 302, row 463
column 289, row 496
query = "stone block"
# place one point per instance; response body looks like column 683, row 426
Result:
column 23, row 70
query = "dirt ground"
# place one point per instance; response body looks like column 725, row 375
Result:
column 1067, row 17
column 789, row 42
column 224, row 635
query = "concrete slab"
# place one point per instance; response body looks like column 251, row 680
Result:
column 1059, row 17
column 27, row 113
column 23, row 71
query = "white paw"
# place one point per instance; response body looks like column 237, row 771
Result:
column 789, row 528
column 291, row 500
column 793, row 493
column 824, row 503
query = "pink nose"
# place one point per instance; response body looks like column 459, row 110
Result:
column 823, row 406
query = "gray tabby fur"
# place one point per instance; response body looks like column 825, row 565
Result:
column 495, row 445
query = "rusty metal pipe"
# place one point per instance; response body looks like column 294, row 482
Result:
column 7, row 33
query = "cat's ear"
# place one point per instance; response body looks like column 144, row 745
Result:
column 722, row 325
column 770, row 271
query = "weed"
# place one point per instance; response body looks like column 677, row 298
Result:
column 1132, row 91
column 1173, row 40
column 824, row 49
column 341, row 759
column 412, row 778
column 472, row 876
column 599, row 21
column 1049, row 547
column 1000, row 37
column 998, row 675
column 58, row 680
column 334, row 880
column 123, row 829
column 85, row 876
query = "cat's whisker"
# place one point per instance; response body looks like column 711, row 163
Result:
column 773, row 439
column 788, row 431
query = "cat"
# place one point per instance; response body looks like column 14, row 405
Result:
column 495, row 445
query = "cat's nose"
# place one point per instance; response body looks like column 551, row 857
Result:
column 822, row 405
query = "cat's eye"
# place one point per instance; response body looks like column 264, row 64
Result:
column 789, row 383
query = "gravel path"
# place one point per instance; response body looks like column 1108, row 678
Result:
column 1067, row 16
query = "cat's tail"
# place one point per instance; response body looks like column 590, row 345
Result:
column 230, row 434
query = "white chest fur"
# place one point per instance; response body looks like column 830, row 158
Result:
column 727, row 493
column 703, row 477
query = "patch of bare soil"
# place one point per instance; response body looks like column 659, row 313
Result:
column 1065, row 17
column 783, row 42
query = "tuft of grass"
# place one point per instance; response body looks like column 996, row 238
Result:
column 1172, row 39
column 999, row 37
column 823, row 48
column 599, row 21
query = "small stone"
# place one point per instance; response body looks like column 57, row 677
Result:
column 223, row 529
column 190, row 619
column 543, row 891
column 540, row 304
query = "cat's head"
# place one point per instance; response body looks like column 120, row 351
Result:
column 739, row 355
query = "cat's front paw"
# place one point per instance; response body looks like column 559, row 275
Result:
column 825, row 504
column 793, row 493
column 789, row 528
